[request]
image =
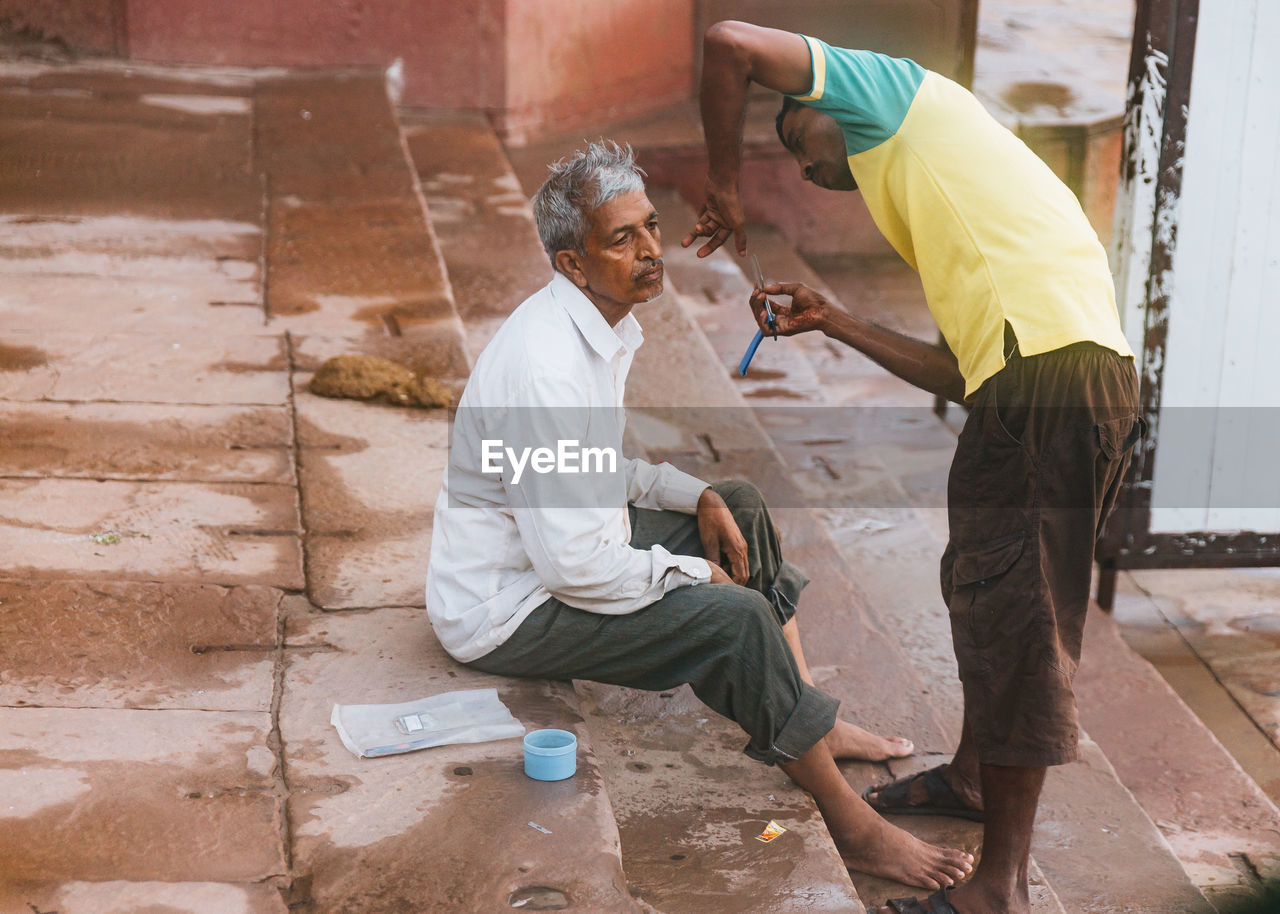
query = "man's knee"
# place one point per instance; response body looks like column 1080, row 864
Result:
column 737, row 613
column 740, row 496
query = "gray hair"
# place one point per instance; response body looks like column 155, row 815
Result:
column 580, row 184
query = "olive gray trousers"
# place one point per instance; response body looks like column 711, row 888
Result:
column 724, row 640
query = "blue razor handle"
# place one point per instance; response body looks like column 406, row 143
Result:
column 750, row 353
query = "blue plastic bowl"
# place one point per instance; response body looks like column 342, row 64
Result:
column 550, row 755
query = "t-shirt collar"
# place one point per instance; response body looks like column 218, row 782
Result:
column 605, row 340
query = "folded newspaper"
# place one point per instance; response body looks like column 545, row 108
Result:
column 468, row 716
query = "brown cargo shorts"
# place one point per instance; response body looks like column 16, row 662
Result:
column 1036, row 472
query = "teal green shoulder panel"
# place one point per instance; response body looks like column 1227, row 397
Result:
column 867, row 93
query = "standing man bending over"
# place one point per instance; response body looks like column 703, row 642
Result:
column 1019, row 285
column 620, row 577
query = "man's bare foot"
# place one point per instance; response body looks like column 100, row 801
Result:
column 849, row 741
column 884, row 850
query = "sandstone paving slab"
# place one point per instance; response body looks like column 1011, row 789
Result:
column 110, row 644
column 352, row 572
column 204, row 298
column 223, row 533
column 348, row 239
column 370, row 474
column 331, row 135
column 689, row 805
column 120, row 897
column 1210, row 811
column 172, row 367
column 335, row 266
column 1099, row 849
column 446, row 828
column 120, row 245
column 1231, row 619
column 147, row 441
column 894, row 559
column 477, row 207
column 107, row 150
column 172, row 796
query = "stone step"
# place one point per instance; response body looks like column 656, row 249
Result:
column 1223, row 828
column 687, row 803
column 882, row 486
column 481, row 216
column 493, row 835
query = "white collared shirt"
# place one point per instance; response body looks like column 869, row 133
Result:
column 503, row 542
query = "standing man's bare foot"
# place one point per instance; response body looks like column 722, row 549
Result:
column 849, row 741
column 885, row 850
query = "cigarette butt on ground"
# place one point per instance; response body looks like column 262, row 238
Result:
column 771, row 831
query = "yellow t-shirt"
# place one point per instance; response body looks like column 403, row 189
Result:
column 993, row 233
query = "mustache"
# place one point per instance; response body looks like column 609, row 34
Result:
column 645, row 267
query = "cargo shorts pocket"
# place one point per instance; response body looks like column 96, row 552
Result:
column 986, row 599
column 1116, row 437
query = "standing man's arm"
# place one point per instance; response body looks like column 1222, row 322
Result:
column 929, row 367
column 735, row 54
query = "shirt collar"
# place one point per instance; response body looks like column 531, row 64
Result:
column 605, row 340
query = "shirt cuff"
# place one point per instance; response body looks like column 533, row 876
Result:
column 680, row 491
column 687, row 570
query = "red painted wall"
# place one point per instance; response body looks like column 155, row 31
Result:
column 452, row 51
column 577, row 62
column 534, row 64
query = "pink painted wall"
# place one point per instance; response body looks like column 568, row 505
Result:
column 536, row 65
column 576, row 62
column 453, row 52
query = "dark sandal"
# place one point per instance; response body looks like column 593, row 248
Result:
column 894, row 797
column 938, row 904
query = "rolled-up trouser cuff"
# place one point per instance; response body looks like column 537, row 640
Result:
column 784, row 591
column 812, row 719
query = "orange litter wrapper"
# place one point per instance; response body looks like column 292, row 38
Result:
column 771, row 831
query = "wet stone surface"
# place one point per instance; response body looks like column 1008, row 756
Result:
column 179, row 367
column 146, row 441
column 368, row 519
column 478, row 209
column 138, row 795
column 689, row 806
column 361, row 824
column 130, row 645
column 98, row 151
column 195, row 532
column 117, row 896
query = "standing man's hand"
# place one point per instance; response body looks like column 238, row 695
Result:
column 808, row 310
column 721, row 216
column 721, row 536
